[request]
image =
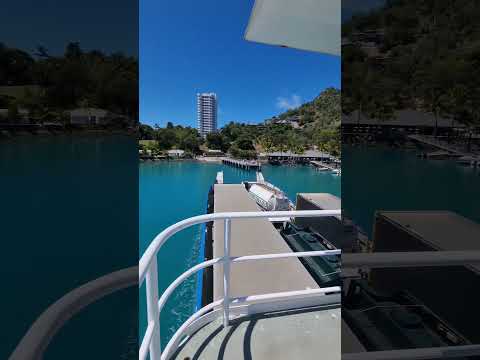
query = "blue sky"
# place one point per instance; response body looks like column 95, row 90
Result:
column 198, row 46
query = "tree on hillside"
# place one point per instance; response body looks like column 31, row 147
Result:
column 244, row 143
column 217, row 141
column 191, row 143
column 146, row 132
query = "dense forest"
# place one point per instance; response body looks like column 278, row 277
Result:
column 422, row 54
column 319, row 126
column 52, row 84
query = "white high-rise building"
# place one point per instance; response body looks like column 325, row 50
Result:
column 207, row 113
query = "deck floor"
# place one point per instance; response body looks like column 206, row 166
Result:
column 307, row 334
column 250, row 237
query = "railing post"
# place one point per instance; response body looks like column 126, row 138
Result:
column 226, row 272
column 152, row 308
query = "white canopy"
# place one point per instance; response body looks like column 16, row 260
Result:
column 303, row 24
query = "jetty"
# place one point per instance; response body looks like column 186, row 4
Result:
column 439, row 144
column 253, row 236
column 321, row 165
column 243, row 164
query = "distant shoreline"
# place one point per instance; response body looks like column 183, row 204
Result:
column 10, row 135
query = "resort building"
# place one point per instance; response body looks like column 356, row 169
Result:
column 176, row 153
column 88, row 116
column 207, row 113
column 213, row 153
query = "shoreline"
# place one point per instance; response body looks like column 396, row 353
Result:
column 43, row 133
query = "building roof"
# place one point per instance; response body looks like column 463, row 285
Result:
column 408, row 117
column 302, row 24
column 324, row 201
column 176, row 151
column 443, row 230
column 306, row 154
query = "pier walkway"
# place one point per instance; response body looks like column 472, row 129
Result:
column 439, row 144
column 248, row 237
column 243, row 164
column 324, row 166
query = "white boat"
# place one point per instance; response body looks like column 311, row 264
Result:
column 268, row 196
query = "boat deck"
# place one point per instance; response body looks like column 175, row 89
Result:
column 249, row 237
column 306, row 334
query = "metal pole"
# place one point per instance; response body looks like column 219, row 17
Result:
column 226, row 272
column 152, row 308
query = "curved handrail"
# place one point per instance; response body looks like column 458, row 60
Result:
column 148, row 266
column 40, row 334
column 161, row 238
column 171, row 288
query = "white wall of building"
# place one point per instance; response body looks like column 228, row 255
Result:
column 206, row 113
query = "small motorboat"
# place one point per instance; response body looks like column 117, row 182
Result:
column 268, row 196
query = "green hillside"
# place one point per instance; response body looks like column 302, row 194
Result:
column 422, row 54
column 324, row 110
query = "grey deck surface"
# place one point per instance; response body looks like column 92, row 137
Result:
column 323, row 201
column 249, row 237
column 350, row 342
column 443, row 230
column 312, row 334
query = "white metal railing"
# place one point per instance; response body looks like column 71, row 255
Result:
column 148, row 272
column 40, row 334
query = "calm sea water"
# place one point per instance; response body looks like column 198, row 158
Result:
column 69, row 207
column 372, row 179
column 385, row 179
column 172, row 191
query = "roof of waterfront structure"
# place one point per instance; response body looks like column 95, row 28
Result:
column 305, row 154
column 323, row 201
column 442, row 230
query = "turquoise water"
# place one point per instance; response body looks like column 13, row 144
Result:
column 68, row 211
column 172, row 191
column 372, row 179
column 387, row 179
